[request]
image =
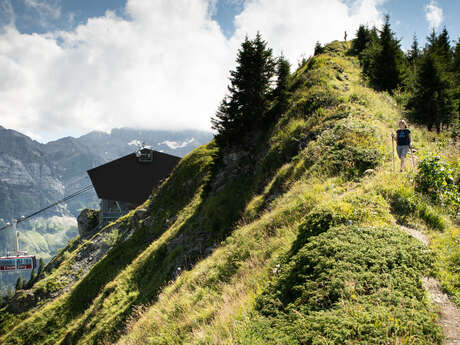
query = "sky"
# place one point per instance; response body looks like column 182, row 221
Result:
column 72, row 66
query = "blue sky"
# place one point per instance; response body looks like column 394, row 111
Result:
column 407, row 17
column 72, row 66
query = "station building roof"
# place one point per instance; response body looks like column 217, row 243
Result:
column 132, row 178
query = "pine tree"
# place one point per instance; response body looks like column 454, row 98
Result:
column 33, row 277
column 444, row 49
column 245, row 108
column 456, row 74
column 389, row 61
column 319, row 49
column 439, row 45
column 413, row 58
column 19, row 283
column 433, row 103
column 281, row 92
column 10, row 293
column 362, row 39
column 414, row 53
column 41, row 267
column 456, row 59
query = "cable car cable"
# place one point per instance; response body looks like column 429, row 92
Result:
column 68, row 197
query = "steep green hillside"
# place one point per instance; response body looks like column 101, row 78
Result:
column 295, row 240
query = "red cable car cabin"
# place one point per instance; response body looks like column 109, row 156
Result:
column 11, row 263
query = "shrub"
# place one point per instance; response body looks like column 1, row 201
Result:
column 436, row 180
column 348, row 285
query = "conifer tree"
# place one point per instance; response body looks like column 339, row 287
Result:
column 444, row 51
column 456, row 62
column 433, row 103
column 319, row 49
column 413, row 57
column 281, row 92
column 41, row 267
column 414, row 53
column 388, row 70
column 246, row 105
column 19, row 283
column 456, row 75
column 33, row 277
column 362, row 39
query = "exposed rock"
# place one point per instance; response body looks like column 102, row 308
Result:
column 24, row 300
column 139, row 214
column 88, row 220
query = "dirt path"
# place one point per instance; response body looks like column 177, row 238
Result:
column 449, row 317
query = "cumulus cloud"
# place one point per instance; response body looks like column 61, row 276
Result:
column 293, row 27
column 163, row 66
column 434, row 14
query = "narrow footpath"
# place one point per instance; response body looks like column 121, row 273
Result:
column 449, row 317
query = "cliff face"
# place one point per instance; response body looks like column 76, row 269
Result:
column 29, row 179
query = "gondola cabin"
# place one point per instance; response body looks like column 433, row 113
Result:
column 13, row 263
column 125, row 183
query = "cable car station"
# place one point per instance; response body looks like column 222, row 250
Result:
column 122, row 185
column 125, row 183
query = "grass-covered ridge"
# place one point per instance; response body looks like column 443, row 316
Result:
column 294, row 242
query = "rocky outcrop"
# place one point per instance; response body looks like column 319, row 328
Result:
column 88, row 220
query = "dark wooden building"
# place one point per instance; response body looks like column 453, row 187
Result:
column 127, row 182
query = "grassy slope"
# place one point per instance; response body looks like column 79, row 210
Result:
column 293, row 246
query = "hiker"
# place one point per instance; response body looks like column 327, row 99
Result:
column 403, row 142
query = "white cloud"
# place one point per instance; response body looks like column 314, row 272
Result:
column 166, row 67
column 434, row 14
column 293, row 26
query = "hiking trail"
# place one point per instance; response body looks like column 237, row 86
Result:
column 449, row 315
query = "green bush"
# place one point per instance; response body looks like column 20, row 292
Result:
column 349, row 285
column 436, row 180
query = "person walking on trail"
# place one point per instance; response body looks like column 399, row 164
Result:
column 403, row 142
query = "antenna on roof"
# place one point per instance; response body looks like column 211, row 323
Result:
column 144, row 154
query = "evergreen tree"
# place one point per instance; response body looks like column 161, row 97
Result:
column 362, row 39
column 413, row 57
column 439, row 46
column 245, row 108
column 389, row 67
column 19, row 283
column 33, row 277
column 319, row 49
column 281, row 92
column 368, row 56
column 414, row 53
column 456, row 75
column 456, row 60
column 41, row 267
column 433, row 103
column 444, row 50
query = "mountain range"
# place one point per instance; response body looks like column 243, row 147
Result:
column 34, row 175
